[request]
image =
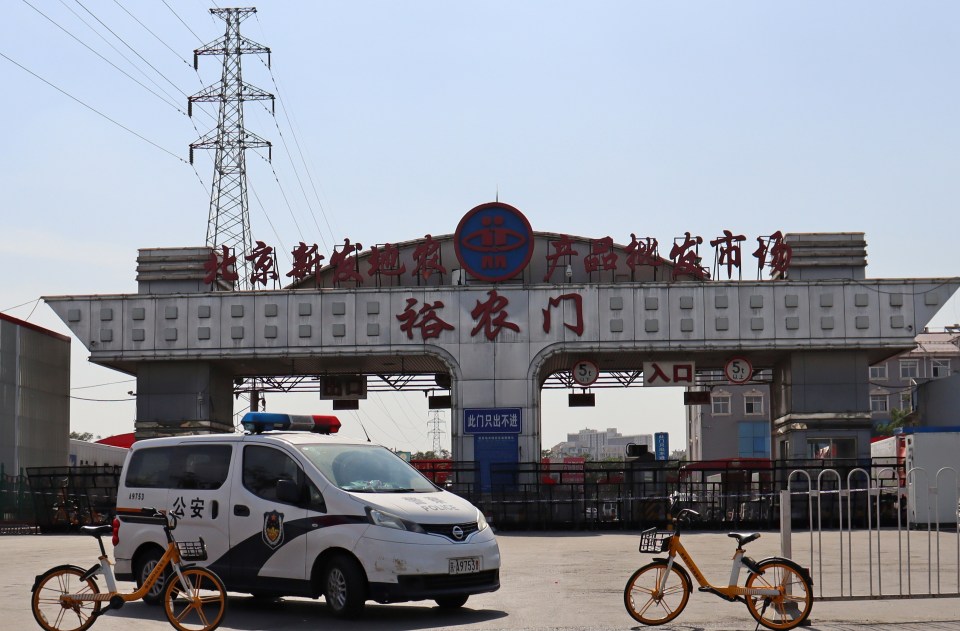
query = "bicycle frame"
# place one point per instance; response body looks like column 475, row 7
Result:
column 171, row 556
column 731, row 592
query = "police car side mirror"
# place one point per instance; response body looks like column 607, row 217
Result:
column 288, row 491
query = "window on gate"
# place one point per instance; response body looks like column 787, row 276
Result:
column 878, row 403
column 823, row 448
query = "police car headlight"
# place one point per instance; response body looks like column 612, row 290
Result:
column 378, row 517
column 481, row 521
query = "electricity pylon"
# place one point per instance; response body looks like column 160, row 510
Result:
column 436, row 424
column 229, row 219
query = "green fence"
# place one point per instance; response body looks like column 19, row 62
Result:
column 16, row 504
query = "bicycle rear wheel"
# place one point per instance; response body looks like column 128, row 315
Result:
column 647, row 603
column 788, row 609
column 51, row 613
column 197, row 605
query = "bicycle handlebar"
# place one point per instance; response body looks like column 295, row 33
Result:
column 155, row 516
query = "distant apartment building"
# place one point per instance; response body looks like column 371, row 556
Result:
column 595, row 444
column 897, row 382
column 736, row 423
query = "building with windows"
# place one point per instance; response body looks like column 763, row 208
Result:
column 595, row 444
column 897, row 382
column 736, row 423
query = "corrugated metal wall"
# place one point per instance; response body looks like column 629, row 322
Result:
column 34, row 398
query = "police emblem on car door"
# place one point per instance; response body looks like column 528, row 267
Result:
column 273, row 529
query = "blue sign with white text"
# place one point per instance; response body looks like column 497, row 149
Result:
column 492, row 420
column 661, row 442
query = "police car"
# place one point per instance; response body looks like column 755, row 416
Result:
column 291, row 509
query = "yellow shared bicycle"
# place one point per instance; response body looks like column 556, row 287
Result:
column 68, row 598
column 777, row 591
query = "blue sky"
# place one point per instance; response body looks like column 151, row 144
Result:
column 594, row 119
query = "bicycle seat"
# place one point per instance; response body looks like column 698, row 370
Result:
column 97, row 531
column 743, row 538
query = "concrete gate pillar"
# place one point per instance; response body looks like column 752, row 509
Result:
column 176, row 398
column 821, row 401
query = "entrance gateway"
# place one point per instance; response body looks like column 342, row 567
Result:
column 489, row 313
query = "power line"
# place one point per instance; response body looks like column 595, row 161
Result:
column 100, row 385
column 266, row 216
column 115, row 66
column 92, row 109
column 147, row 29
column 103, row 400
column 125, row 58
column 37, row 300
column 181, row 21
column 293, row 131
column 122, row 41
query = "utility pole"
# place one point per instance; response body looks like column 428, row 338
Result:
column 229, row 219
column 437, row 427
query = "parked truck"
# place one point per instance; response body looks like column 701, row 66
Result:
column 926, row 463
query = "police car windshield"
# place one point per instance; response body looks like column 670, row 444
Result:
column 366, row 469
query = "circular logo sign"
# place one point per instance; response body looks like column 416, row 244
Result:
column 738, row 370
column 585, row 372
column 494, row 242
column 457, row 533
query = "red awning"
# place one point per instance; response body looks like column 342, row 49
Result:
column 120, row 440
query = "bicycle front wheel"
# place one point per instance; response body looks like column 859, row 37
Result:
column 793, row 603
column 196, row 603
column 54, row 614
column 649, row 603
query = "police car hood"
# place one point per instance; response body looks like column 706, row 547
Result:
column 423, row 508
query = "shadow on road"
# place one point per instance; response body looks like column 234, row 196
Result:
column 245, row 613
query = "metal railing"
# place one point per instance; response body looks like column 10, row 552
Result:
column 852, row 560
column 740, row 493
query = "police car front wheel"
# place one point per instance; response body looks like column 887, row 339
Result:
column 345, row 587
column 452, row 602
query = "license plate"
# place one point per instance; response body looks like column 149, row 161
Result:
column 466, row 565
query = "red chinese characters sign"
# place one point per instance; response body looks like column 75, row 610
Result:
column 668, row 374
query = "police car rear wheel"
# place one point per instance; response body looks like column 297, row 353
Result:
column 145, row 564
column 345, row 587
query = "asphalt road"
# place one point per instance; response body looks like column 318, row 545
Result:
column 550, row 581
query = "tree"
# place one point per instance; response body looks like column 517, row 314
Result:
column 899, row 418
column 85, row 436
column 678, row 454
column 430, row 455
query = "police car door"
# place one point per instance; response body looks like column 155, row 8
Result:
column 267, row 535
column 197, row 493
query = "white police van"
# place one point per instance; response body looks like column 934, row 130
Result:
column 304, row 513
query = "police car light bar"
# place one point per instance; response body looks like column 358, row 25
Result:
column 257, row 422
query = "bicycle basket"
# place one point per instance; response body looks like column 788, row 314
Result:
column 653, row 540
column 192, row 550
